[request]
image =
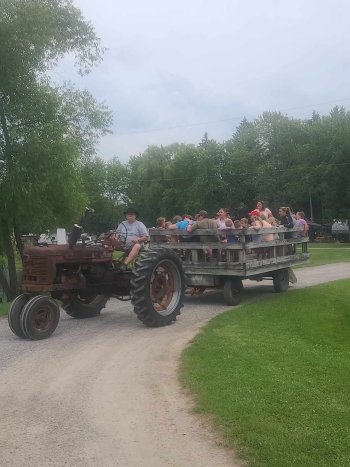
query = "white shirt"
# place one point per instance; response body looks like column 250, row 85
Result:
column 221, row 224
column 131, row 230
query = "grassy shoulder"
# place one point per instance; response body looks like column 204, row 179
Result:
column 327, row 253
column 4, row 308
column 275, row 377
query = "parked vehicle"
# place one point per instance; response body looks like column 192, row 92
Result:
column 341, row 231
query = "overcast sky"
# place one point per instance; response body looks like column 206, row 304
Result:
column 174, row 70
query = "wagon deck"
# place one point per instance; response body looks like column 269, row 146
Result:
column 213, row 263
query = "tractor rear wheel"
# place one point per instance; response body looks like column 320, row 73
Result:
column 40, row 317
column 157, row 287
column 14, row 314
column 80, row 307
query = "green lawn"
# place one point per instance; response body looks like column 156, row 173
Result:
column 274, row 376
column 3, row 308
column 326, row 253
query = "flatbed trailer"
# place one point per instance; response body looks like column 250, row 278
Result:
column 220, row 264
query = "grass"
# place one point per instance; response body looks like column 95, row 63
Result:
column 327, row 253
column 4, row 308
column 275, row 376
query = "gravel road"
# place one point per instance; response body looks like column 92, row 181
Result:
column 104, row 391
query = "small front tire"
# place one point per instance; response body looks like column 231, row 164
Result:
column 14, row 314
column 40, row 317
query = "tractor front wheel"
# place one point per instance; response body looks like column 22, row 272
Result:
column 40, row 317
column 14, row 314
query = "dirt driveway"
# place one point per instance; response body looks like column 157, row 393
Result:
column 104, row 391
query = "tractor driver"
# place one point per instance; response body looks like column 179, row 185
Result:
column 135, row 233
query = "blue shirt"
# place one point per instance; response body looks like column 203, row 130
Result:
column 182, row 225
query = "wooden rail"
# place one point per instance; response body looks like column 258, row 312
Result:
column 248, row 255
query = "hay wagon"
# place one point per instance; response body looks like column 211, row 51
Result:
column 230, row 256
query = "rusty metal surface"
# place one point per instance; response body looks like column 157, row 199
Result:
column 41, row 266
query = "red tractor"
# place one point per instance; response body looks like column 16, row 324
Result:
column 83, row 276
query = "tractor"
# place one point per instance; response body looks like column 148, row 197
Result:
column 81, row 276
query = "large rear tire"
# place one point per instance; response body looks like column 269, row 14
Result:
column 281, row 280
column 80, row 307
column 233, row 289
column 157, row 287
column 14, row 314
column 40, row 317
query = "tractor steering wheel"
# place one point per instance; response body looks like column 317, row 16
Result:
column 122, row 236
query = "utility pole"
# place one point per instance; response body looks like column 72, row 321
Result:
column 311, row 213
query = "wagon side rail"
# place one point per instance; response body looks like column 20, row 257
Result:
column 235, row 251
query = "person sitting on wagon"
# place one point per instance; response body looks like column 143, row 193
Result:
column 260, row 206
column 245, row 226
column 229, row 236
column 222, row 215
column 203, row 222
column 134, row 233
column 286, row 220
column 272, row 221
column 183, row 223
column 255, row 224
column 160, row 224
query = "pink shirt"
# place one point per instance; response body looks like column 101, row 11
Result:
column 302, row 223
column 266, row 212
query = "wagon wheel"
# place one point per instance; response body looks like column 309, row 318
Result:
column 233, row 289
column 39, row 317
column 281, row 280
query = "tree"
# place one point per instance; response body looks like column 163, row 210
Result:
column 151, row 180
column 105, row 186
column 45, row 132
column 328, row 154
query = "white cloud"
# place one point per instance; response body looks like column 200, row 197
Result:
column 173, row 67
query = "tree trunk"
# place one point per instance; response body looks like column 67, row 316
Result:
column 8, row 240
column 19, row 243
column 7, row 230
column 11, row 261
column 5, row 285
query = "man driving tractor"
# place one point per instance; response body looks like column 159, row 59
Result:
column 134, row 233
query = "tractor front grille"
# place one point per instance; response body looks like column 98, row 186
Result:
column 36, row 270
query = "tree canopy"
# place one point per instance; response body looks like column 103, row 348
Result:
column 46, row 132
column 281, row 160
